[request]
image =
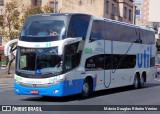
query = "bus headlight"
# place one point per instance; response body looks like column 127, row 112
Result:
column 56, row 91
column 57, row 81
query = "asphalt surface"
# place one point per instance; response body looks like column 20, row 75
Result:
column 149, row 95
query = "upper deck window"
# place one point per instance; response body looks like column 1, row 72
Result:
column 43, row 30
column 78, row 26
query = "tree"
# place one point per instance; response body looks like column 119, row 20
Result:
column 48, row 9
column 11, row 20
column 31, row 10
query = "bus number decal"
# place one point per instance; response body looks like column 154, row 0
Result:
column 48, row 44
column 88, row 50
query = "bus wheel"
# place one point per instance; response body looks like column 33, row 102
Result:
column 86, row 88
column 142, row 82
column 136, row 82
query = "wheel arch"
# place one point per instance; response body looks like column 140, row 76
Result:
column 91, row 81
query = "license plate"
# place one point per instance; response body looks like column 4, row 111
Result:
column 34, row 92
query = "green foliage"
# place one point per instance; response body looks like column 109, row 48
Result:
column 48, row 9
column 4, row 61
column 31, row 10
column 11, row 18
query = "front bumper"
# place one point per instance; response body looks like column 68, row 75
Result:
column 64, row 88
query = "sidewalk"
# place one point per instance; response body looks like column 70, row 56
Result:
column 3, row 73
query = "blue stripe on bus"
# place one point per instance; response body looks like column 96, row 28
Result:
column 63, row 88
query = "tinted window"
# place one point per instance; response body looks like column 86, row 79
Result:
column 97, row 30
column 39, row 61
column 124, row 61
column 109, row 61
column 44, row 29
column 78, row 26
column 118, row 32
column 110, row 31
column 72, row 56
column 95, row 62
column 126, row 33
column 147, row 37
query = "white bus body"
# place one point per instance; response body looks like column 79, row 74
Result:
column 81, row 60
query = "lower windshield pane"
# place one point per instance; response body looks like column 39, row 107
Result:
column 27, row 61
column 39, row 61
column 48, row 61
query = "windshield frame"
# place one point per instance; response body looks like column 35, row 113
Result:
column 35, row 75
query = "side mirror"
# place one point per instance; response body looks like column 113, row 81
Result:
column 91, row 39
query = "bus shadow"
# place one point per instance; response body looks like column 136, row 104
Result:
column 95, row 94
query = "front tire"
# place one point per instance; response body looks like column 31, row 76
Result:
column 87, row 88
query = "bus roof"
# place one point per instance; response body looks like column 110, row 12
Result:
column 59, row 14
column 110, row 20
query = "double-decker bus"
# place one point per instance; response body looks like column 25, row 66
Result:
column 66, row 54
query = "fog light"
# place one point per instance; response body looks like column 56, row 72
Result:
column 56, row 91
column 17, row 90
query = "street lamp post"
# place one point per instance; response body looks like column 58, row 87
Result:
column 54, row 6
column 134, row 11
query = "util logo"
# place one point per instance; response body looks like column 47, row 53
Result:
column 143, row 59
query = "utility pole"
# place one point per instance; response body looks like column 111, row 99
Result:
column 54, row 6
column 134, row 11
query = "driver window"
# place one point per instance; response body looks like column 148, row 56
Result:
column 72, row 56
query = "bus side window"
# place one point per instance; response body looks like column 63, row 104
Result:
column 78, row 26
column 72, row 56
column 97, row 30
column 96, row 62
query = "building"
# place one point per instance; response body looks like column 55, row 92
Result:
column 145, row 13
column 149, row 13
column 150, row 18
column 121, row 10
column 138, row 4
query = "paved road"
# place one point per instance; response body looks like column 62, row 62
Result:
column 6, row 84
column 150, row 95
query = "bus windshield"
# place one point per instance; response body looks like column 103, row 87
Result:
column 43, row 30
column 39, row 61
